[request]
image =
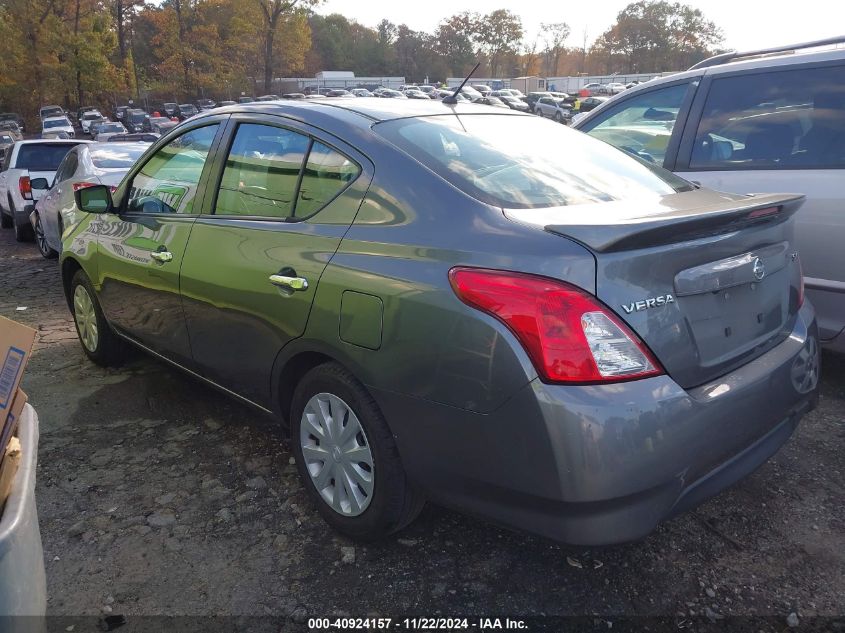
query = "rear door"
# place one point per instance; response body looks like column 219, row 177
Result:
column 141, row 246
column 774, row 131
column 286, row 195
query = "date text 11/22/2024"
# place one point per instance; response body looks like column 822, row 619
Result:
column 417, row 624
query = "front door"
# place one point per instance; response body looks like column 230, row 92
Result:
column 142, row 245
column 286, row 196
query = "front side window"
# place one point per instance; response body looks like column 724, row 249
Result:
column 497, row 160
column 167, row 183
column 643, row 124
column 785, row 119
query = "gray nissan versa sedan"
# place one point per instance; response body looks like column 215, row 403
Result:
column 458, row 303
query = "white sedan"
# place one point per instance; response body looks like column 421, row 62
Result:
column 57, row 127
column 83, row 166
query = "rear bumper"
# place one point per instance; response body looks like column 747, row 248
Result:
column 604, row 464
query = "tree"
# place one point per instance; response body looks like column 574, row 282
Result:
column 275, row 13
column 554, row 35
column 454, row 39
column 654, row 36
column 498, row 36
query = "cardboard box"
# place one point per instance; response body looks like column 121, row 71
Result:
column 16, row 342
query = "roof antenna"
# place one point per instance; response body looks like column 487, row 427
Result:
column 453, row 98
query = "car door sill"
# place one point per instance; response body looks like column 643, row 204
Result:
column 192, row 373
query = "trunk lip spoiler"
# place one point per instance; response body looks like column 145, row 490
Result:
column 678, row 225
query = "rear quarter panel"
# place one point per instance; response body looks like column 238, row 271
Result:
column 412, row 228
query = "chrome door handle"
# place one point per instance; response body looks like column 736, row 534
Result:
column 162, row 256
column 293, row 283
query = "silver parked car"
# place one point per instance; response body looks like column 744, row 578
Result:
column 83, row 166
column 755, row 122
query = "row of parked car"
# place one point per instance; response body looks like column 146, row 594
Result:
column 573, row 341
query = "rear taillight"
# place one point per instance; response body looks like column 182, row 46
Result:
column 82, row 185
column 25, row 188
column 569, row 334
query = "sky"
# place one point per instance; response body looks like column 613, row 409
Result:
column 746, row 24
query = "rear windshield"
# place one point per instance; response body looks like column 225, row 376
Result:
column 524, row 162
column 136, row 116
column 111, row 127
column 42, row 157
column 113, row 157
column 88, row 116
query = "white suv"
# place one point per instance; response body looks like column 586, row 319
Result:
column 759, row 122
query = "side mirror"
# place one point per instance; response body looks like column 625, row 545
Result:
column 39, row 183
column 95, row 199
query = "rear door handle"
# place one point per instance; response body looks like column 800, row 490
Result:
column 162, row 256
column 292, row 283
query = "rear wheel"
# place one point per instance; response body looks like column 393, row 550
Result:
column 5, row 220
column 41, row 240
column 23, row 232
column 347, row 458
column 98, row 340
column 538, row 112
column 558, row 117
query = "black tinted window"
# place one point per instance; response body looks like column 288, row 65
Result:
column 262, row 172
column 45, row 157
column 786, row 119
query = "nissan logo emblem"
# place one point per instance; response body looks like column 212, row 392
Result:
column 759, row 269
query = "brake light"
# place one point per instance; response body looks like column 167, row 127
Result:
column 82, row 185
column 25, row 187
column 570, row 335
column 762, row 213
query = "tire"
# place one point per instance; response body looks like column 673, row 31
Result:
column 23, row 232
column 558, row 117
column 5, row 220
column 104, row 348
column 41, row 241
column 391, row 503
column 538, row 112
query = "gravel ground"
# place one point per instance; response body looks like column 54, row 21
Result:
column 159, row 496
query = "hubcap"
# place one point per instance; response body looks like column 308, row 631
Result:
column 86, row 319
column 337, row 454
column 39, row 236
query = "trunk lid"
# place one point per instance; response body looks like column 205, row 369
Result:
column 708, row 280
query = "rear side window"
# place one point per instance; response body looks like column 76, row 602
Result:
column 278, row 173
column 787, row 119
column 497, row 160
column 326, row 174
column 641, row 125
column 45, row 157
column 261, row 172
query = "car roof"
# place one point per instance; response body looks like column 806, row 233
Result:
column 55, row 118
column 787, row 58
column 36, row 141
column 367, row 109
